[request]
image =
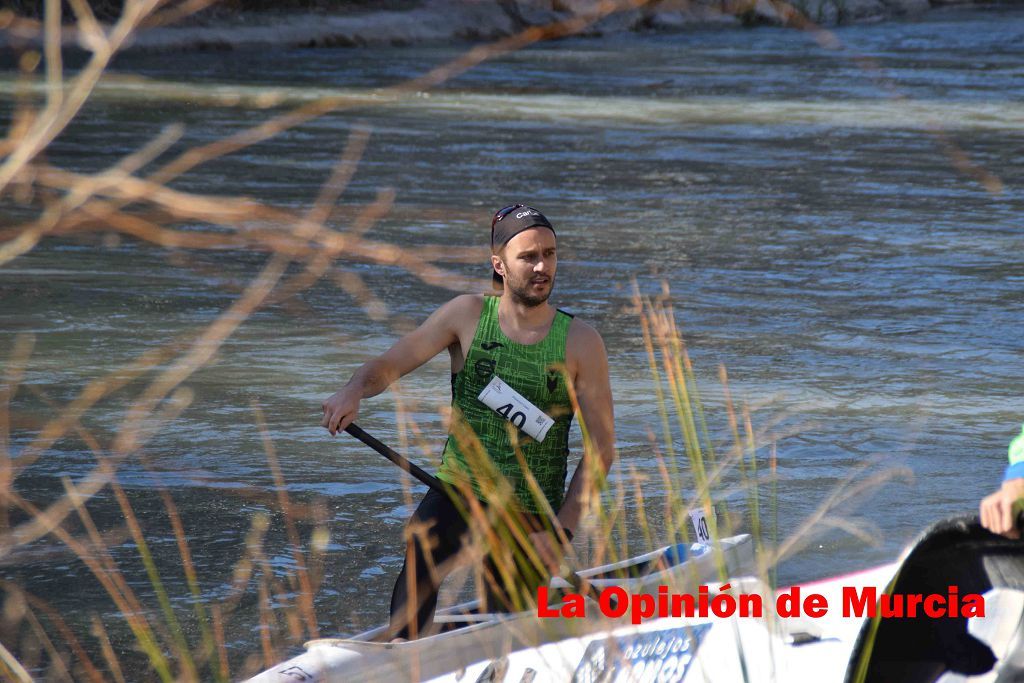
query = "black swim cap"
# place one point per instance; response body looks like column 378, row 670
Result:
column 512, row 220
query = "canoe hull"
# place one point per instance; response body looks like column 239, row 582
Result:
column 494, row 635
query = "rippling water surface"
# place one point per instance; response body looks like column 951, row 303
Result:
column 804, row 205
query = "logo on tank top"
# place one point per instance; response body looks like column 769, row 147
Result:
column 552, row 380
column 491, row 345
column 484, row 367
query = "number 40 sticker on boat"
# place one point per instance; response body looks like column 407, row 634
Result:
column 653, row 656
column 700, row 524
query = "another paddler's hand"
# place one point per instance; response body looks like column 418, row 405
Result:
column 341, row 409
column 999, row 510
column 550, row 550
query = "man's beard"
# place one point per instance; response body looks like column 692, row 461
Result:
column 521, row 293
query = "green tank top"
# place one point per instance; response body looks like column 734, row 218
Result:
column 481, row 446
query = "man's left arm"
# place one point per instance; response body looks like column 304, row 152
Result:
column 597, row 420
column 588, row 366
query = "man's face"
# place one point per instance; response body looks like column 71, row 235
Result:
column 528, row 264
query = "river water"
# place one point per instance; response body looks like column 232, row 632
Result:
column 801, row 202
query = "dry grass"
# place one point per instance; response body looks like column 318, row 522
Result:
column 133, row 199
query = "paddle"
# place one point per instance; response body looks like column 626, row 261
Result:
column 410, row 467
column 577, row 582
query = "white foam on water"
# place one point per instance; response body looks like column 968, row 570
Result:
column 626, row 111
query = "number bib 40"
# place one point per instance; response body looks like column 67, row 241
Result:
column 508, row 403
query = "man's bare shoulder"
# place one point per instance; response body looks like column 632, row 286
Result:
column 465, row 306
column 583, row 338
column 460, row 313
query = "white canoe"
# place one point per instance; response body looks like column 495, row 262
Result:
column 831, row 648
column 469, row 637
column 692, row 650
column 919, row 648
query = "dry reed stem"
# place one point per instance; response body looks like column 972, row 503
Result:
column 862, row 530
column 284, row 613
column 44, row 522
column 638, row 493
column 324, row 242
column 340, row 178
column 112, row 582
column 243, row 573
column 317, row 266
column 290, row 615
column 48, row 520
column 305, row 589
column 190, row 575
column 96, row 390
column 698, row 403
column 674, row 514
column 659, row 394
column 67, row 635
column 132, row 433
column 547, row 512
column 318, row 214
column 85, row 20
column 100, row 548
column 110, row 566
column 373, row 306
column 266, row 646
column 675, row 357
column 119, row 173
column 79, row 498
column 222, row 651
column 58, row 665
column 319, row 542
column 13, row 376
column 243, row 570
column 415, row 533
column 113, row 665
column 175, row 14
column 10, row 666
column 60, row 108
column 181, row 649
column 774, row 501
column 753, row 500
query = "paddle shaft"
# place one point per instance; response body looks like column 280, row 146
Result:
column 433, row 482
column 410, row 467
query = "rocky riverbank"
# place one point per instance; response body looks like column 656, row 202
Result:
column 406, row 22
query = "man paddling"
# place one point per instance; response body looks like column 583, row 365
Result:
column 1000, row 510
column 517, row 363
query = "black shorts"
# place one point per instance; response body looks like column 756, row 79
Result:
column 436, row 533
